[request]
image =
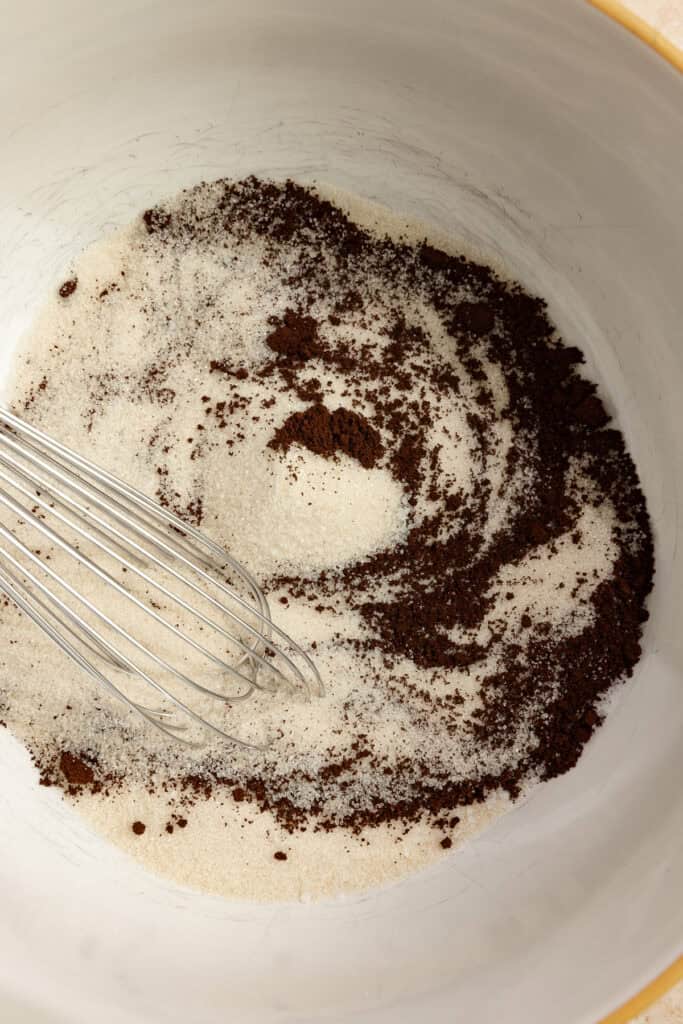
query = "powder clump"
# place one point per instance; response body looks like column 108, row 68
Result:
column 325, row 433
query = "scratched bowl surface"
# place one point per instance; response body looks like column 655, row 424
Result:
column 546, row 135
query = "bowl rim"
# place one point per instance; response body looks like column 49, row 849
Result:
column 656, row 990
column 642, row 29
column 672, row 53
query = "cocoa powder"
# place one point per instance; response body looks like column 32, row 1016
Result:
column 75, row 769
column 440, row 579
column 68, row 287
column 325, row 433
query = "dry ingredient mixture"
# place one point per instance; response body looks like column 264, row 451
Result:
column 398, row 445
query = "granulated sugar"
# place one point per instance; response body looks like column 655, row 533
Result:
column 228, row 849
column 395, row 442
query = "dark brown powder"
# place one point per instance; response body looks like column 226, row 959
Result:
column 412, row 596
column 68, row 288
column 325, row 433
column 75, row 769
column 295, row 338
column 156, row 220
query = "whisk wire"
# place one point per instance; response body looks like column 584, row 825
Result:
column 11, row 586
column 100, row 511
column 139, row 501
column 103, row 575
column 265, row 622
column 129, row 565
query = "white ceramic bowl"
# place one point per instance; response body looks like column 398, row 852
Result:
column 549, row 136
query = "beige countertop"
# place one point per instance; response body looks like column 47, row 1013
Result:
column 666, row 16
column 668, row 1010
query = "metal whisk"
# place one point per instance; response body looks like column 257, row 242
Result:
column 151, row 568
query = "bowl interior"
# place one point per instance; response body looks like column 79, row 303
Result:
column 545, row 137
